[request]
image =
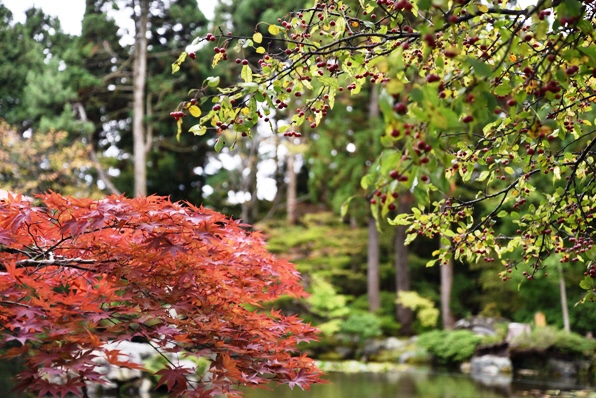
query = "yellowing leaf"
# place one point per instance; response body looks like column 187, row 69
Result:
column 483, row 175
column 257, row 37
column 273, row 29
column 260, row 50
column 195, row 111
column 179, row 61
column 482, row 8
column 198, row 129
column 216, row 58
column 179, row 123
column 246, row 74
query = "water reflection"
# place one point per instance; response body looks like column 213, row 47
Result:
column 421, row 384
column 413, row 383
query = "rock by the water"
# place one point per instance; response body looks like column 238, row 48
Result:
column 517, row 329
column 480, row 325
column 373, row 347
column 491, row 365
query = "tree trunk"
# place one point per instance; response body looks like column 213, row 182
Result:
column 566, row 325
column 373, row 274
column 446, row 284
column 402, row 272
column 139, row 81
column 93, row 155
column 249, row 207
column 292, row 187
column 292, row 179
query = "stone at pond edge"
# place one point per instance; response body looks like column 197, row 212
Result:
column 517, row 329
column 480, row 325
column 490, row 365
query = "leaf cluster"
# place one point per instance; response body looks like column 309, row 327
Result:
column 78, row 273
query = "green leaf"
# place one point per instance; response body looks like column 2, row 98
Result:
column 431, row 263
column 503, row 89
column 417, row 95
column 481, row 69
column 449, row 233
column 179, row 61
column 590, row 52
column 400, row 219
column 366, row 181
column 213, row 81
column 246, row 73
column 198, row 129
column 483, row 175
column 424, row 4
column 250, row 87
column 420, row 194
column 345, row 205
column 219, row 144
column 587, row 283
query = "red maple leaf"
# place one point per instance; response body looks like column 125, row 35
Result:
column 173, row 376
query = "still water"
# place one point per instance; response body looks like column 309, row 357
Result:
column 426, row 384
column 413, row 383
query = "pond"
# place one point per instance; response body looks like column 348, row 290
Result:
column 410, row 383
column 422, row 383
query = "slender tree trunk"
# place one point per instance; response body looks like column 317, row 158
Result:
column 373, row 274
column 402, row 272
column 292, row 187
column 250, row 184
column 446, row 285
column 100, row 171
column 139, row 81
column 566, row 325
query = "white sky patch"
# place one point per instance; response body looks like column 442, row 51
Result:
column 70, row 12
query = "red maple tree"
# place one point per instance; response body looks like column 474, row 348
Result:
column 76, row 274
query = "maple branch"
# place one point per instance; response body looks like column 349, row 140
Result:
column 4, row 302
column 59, row 262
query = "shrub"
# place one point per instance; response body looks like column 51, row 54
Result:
column 362, row 325
column 450, row 347
column 549, row 338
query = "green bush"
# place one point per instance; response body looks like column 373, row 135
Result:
column 450, row 347
column 362, row 325
column 549, row 338
column 389, row 325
